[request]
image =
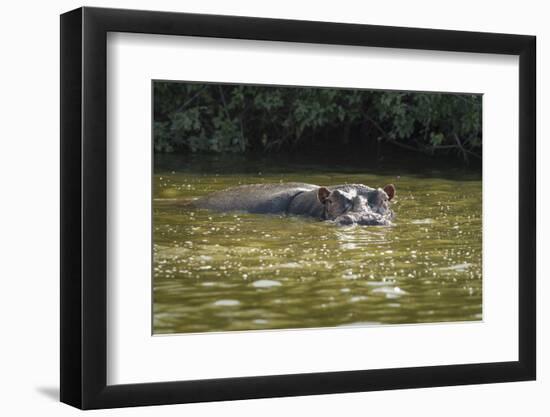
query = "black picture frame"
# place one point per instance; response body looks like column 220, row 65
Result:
column 84, row 207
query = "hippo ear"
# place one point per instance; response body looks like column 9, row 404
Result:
column 322, row 194
column 390, row 190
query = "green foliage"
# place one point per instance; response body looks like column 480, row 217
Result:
column 237, row 118
column 431, row 122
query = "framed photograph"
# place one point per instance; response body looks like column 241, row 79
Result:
column 258, row 208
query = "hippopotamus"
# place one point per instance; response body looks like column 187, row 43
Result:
column 345, row 204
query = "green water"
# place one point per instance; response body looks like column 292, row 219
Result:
column 235, row 271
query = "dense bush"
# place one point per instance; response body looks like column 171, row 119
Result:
column 237, row 118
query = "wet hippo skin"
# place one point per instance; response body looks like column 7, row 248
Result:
column 344, row 204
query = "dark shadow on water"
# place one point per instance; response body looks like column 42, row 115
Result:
column 50, row 392
column 315, row 162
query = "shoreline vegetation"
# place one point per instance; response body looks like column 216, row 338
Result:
column 246, row 119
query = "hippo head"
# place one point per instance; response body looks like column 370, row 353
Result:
column 379, row 200
column 349, row 207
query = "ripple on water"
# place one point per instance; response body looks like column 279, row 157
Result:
column 422, row 221
column 380, row 283
column 217, row 284
column 460, row 267
column 290, row 265
column 350, row 275
column 227, row 303
column 390, row 292
column 266, row 283
column 360, row 324
column 349, row 246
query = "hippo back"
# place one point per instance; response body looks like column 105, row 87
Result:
column 307, row 204
column 255, row 198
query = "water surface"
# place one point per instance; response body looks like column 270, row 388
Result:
column 237, row 271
